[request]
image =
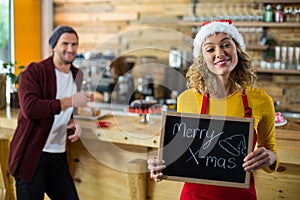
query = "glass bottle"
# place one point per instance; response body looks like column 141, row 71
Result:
column 297, row 57
column 268, row 13
column 288, row 13
column 277, row 58
column 283, row 57
column 279, row 14
column 291, row 57
column 297, row 14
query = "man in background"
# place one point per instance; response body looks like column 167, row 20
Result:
column 48, row 92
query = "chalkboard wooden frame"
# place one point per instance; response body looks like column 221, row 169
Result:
column 222, row 143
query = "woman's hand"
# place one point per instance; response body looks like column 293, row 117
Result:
column 155, row 166
column 258, row 159
column 77, row 130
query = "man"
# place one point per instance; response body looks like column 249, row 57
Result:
column 48, row 91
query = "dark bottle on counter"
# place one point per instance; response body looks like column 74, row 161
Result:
column 145, row 87
column 268, row 13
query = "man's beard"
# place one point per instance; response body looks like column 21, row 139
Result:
column 66, row 62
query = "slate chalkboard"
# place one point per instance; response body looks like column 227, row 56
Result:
column 206, row 149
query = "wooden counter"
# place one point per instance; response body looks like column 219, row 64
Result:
column 104, row 160
column 127, row 131
column 7, row 124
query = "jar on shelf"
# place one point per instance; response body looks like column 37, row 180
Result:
column 297, row 14
column 279, row 14
column 288, row 11
column 268, row 13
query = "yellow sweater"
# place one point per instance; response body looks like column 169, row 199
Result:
column 190, row 101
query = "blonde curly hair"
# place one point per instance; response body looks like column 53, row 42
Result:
column 201, row 78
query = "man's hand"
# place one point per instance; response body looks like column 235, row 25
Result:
column 78, row 99
column 77, row 131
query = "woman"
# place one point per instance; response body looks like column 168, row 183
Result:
column 221, row 82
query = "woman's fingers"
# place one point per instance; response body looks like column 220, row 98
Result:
column 156, row 176
column 155, row 166
column 258, row 159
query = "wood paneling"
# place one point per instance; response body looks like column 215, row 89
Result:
column 98, row 21
column 94, row 178
column 285, row 88
column 6, row 177
column 122, row 26
column 283, row 184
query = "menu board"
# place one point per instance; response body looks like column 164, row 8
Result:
column 206, row 149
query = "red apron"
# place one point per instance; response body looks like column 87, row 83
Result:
column 193, row 191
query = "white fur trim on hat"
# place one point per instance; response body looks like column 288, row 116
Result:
column 216, row 27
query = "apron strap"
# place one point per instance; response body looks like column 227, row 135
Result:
column 247, row 109
column 204, row 103
column 248, row 113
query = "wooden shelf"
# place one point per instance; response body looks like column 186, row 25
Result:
column 256, row 47
column 277, row 1
column 268, row 24
column 277, row 71
column 249, row 24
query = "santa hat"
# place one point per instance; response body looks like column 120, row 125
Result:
column 217, row 26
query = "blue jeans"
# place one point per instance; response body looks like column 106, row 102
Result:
column 52, row 177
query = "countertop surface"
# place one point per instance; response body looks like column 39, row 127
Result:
column 126, row 127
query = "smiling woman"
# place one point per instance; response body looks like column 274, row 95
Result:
column 220, row 54
column 221, row 81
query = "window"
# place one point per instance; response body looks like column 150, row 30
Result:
column 6, row 38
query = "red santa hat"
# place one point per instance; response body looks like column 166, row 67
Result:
column 218, row 26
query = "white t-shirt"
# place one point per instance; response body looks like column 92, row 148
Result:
column 66, row 87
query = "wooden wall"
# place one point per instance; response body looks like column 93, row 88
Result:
column 132, row 27
column 100, row 20
column 284, row 88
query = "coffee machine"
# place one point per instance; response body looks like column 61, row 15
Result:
column 106, row 85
